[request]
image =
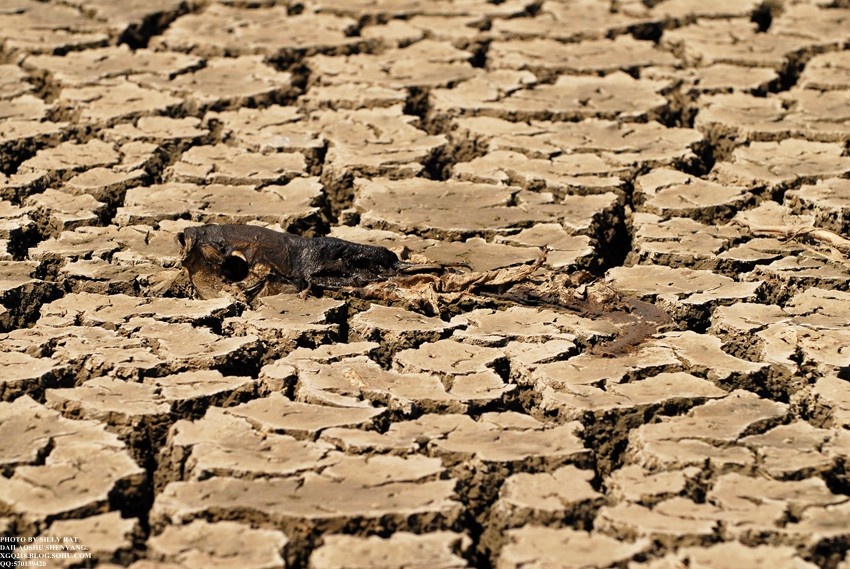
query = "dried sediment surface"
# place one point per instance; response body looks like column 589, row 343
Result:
column 673, row 393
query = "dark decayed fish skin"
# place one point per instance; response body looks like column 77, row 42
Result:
column 247, row 261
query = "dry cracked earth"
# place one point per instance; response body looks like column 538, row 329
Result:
column 692, row 155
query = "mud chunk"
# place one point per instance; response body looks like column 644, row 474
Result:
column 374, row 142
column 750, row 504
column 679, row 9
column 827, row 71
column 225, row 82
column 545, row 499
column 567, row 174
column 817, row 324
column 398, row 328
column 827, row 27
column 828, row 201
column 703, row 354
column 798, row 450
column 328, row 353
column 202, row 543
column 439, row 550
column 745, row 557
column 114, row 100
column 187, row 347
column 51, row 476
column 708, row 432
column 107, row 537
column 131, row 407
column 342, row 97
column 163, row 131
column 247, row 261
column 535, row 546
column 831, row 402
column 93, row 66
column 273, row 128
column 716, row 78
column 385, row 9
column 21, row 293
column 400, row 33
column 223, row 444
column 140, row 258
column 569, row 23
column 423, row 64
column 798, row 113
column 113, row 311
column 24, row 109
column 402, row 493
column 87, row 351
column 681, row 242
column 615, row 96
column 634, row 483
column 141, row 412
column 781, row 165
column 73, row 157
column 791, row 274
column 465, row 209
column 276, row 413
column 16, row 224
column 672, row 193
column 286, row 320
column 631, row 146
column 483, row 93
column 742, row 117
column 24, row 134
column 732, row 41
column 550, row 58
column 754, row 259
column 14, row 82
column 564, row 251
column 478, row 255
column 66, row 212
column 790, row 264
column 289, row 204
column 512, row 440
column 37, row 28
column 105, row 184
column 509, row 441
column 675, row 522
column 359, row 381
column 468, row 371
column 451, row 358
column 572, row 402
column 272, row 32
column 570, row 98
column 821, row 524
column 25, row 374
column 223, row 164
column 684, row 293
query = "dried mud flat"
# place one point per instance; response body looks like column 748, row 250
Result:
column 689, row 155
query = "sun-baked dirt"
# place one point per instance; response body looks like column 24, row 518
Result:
column 638, row 360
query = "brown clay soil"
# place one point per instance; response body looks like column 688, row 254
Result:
column 683, row 400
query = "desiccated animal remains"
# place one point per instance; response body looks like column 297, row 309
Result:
column 246, row 261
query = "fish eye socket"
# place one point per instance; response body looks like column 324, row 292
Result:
column 234, row 268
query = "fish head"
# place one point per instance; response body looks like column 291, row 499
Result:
column 221, row 262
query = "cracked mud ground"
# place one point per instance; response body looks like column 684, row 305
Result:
column 693, row 155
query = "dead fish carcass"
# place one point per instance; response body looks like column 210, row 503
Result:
column 247, row 261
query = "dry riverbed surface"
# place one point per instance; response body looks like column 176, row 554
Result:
column 682, row 401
